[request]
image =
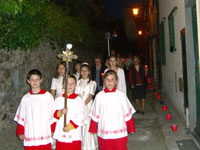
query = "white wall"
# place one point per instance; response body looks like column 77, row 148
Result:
column 190, row 64
column 173, row 65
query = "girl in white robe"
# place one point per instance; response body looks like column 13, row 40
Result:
column 111, row 115
column 86, row 89
column 121, row 85
column 57, row 84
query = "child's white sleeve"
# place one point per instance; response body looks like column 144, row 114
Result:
column 94, row 112
column 93, row 87
column 52, row 109
column 53, row 84
column 20, row 114
column 128, row 109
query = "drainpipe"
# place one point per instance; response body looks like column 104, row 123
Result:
column 198, row 23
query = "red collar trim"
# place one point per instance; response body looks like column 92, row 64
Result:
column 108, row 91
column 72, row 96
column 42, row 91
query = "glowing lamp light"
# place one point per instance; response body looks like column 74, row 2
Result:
column 102, row 74
column 69, row 46
column 158, row 97
column 156, row 93
column 139, row 32
column 164, row 108
column 146, row 66
column 135, row 11
column 168, row 116
column 174, row 127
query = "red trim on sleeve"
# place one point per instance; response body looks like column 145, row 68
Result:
column 131, row 125
column 75, row 126
column 55, row 115
column 20, row 129
column 53, row 127
column 93, row 127
column 130, row 77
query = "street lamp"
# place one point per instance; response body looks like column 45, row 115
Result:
column 140, row 32
column 135, row 11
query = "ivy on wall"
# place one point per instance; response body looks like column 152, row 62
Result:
column 24, row 23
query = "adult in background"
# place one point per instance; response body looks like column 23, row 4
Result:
column 97, row 73
column 138, row 82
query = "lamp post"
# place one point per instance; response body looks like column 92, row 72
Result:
column 108, row 36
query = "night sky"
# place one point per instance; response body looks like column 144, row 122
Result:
column 114, row 7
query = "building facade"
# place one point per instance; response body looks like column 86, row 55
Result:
column 179, row 34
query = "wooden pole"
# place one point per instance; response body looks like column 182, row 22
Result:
column 65, row 104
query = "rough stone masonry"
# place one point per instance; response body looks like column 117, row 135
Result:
column 14, row 66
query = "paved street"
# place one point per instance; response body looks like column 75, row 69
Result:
column 153, row 131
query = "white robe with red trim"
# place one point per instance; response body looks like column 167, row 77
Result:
column 75, row 113
column 35, row 114
column 111, row 111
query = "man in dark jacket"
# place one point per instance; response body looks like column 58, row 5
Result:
column 97, row 73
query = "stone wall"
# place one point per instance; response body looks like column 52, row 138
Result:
column 15, row 65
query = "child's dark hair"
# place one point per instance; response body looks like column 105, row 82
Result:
column 78, row 62
column 34, row 72
column 88, row 67
column 57, row 73
column 110, row 72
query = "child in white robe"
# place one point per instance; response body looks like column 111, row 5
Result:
column 35, row 115
column 57, row 84
column 69, row 137
column 121, row 85
column 111, row 115
column 86, row 89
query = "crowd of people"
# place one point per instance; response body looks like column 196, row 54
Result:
column 99, row 113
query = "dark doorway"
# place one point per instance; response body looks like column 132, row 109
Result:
column 184, row 63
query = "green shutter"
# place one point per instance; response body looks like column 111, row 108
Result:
column 163, row 42
column 171, row 33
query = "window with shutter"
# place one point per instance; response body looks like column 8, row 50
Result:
column 171, row 33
